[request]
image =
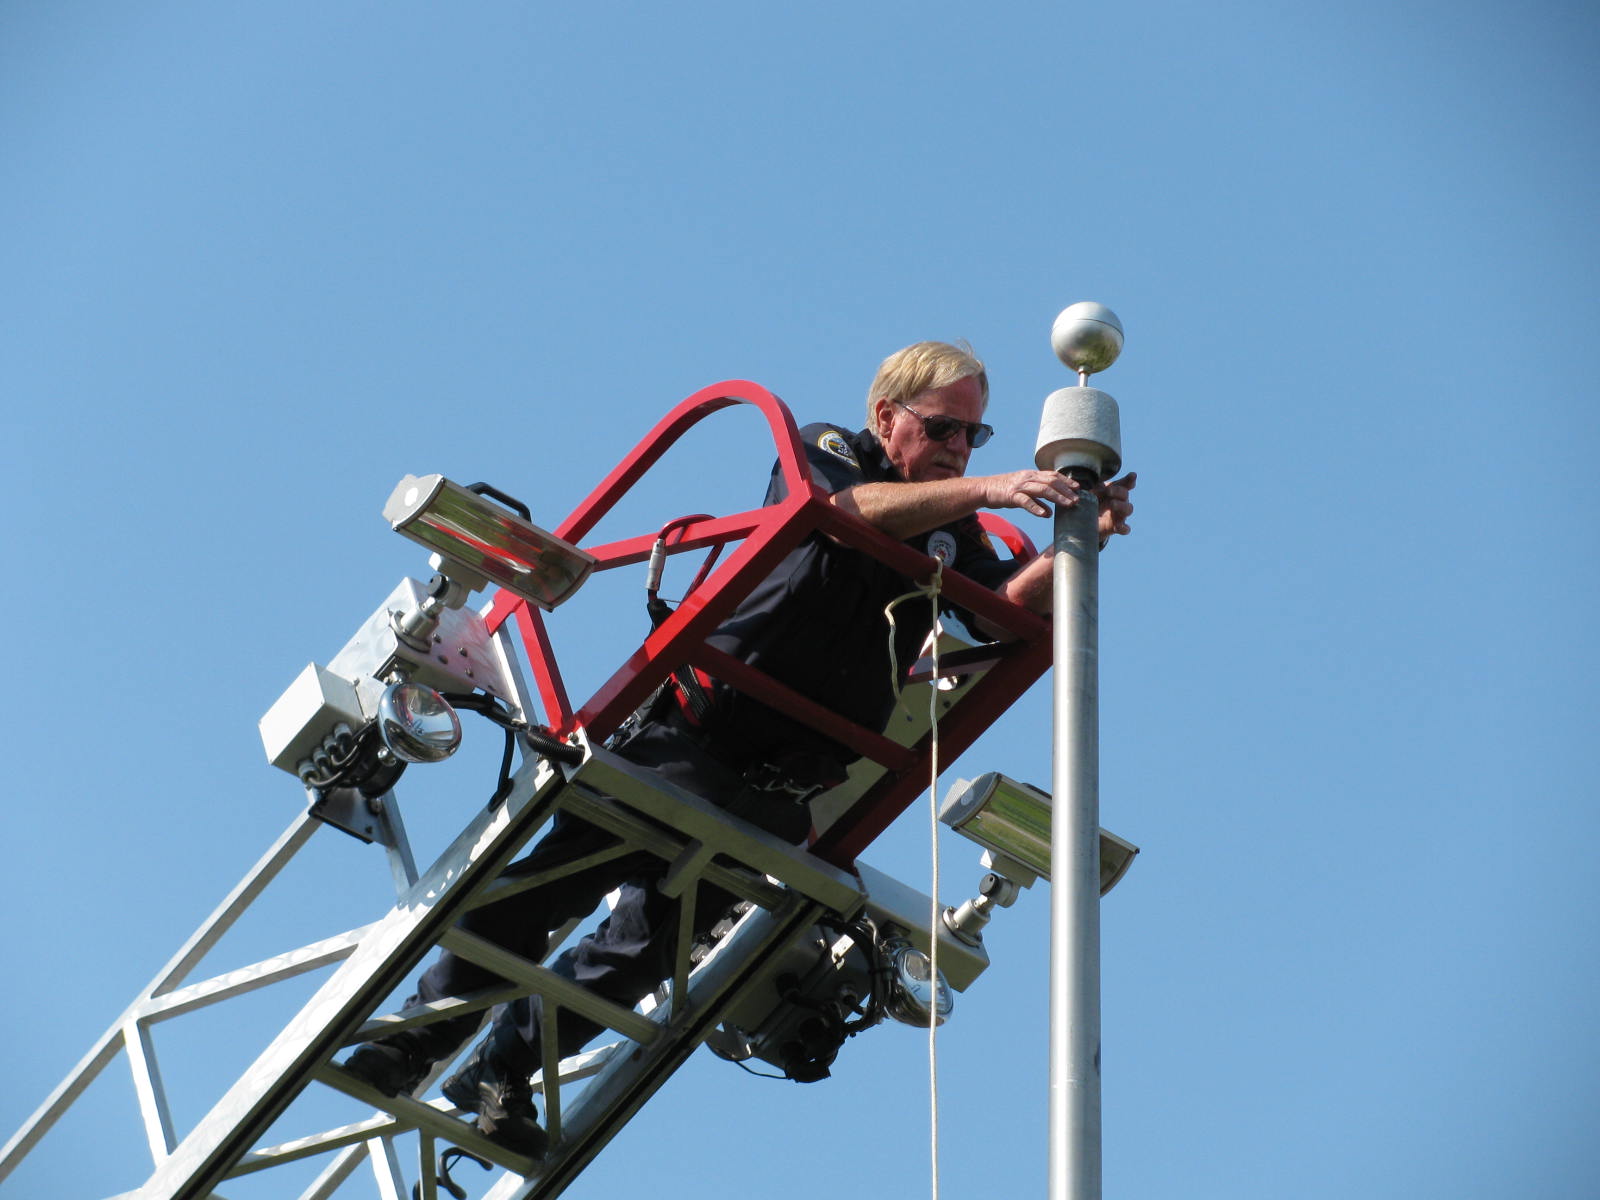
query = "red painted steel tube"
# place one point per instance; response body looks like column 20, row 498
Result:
column 791, row 703
column 785, row 436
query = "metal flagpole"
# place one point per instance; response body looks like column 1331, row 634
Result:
column 1079, row 435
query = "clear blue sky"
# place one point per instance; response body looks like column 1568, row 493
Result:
column 259, row 261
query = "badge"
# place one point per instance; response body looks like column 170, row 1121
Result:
column 833, row 442
column 942, row 545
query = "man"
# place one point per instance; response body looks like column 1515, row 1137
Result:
column 817, row 624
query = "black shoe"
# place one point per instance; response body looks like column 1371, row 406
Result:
column 401, row 1061
column 493, row 1083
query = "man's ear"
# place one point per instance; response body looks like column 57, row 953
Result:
column 883, row 415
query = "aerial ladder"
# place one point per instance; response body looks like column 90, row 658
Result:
column 818, row 944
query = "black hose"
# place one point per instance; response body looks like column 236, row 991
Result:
column 541, row 739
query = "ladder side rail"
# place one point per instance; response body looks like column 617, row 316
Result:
column 106, row 1047
column 396, row 944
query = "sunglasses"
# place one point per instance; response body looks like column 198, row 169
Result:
column 942, row 429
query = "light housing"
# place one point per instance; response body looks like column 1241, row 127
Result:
column 914, row 988
column 417, row 724
column 480, row 542
column 1011, row 820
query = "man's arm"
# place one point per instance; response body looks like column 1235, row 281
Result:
column 1033, row 584
column 904, row 510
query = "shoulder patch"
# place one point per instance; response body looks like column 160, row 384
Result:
column 834, row 443
column 942, row 545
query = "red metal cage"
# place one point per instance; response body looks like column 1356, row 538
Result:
column 764, row 536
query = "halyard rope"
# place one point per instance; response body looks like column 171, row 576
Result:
column 931, row 591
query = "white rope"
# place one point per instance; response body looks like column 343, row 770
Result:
column 931, row 591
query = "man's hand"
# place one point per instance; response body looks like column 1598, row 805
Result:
column 1032, row 586
column 1033, row 491
column 1115, row 507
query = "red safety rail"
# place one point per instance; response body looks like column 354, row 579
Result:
column 765, row 535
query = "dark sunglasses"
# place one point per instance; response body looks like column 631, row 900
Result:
column 942, row 429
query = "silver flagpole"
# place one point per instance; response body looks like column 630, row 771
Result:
column 1079, row 435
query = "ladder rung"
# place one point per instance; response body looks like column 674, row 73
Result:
column 699, row 820
column 546, row 982
column 415, row 1114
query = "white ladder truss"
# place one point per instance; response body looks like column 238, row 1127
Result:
column 789, row 889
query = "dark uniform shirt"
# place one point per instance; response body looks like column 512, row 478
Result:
column 817, row 622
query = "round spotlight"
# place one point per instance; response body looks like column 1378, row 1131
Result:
column 913, row 991
column 416, row 724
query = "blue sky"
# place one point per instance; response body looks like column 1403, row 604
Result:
column 259, row 262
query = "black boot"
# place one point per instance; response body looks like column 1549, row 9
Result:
column 494, row 1083
column 400, row 1062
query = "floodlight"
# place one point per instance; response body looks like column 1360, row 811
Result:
column 1011, row 821
column 417, row 724
column 914, row 988
column 479, row 542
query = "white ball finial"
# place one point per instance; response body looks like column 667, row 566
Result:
column 1087, row 337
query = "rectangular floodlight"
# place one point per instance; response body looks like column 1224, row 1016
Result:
column 484, row 541
column 1011, row 820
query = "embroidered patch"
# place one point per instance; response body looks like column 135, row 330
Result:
column 942, row 545
column 833, row 442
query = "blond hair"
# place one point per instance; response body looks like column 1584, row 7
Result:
column 908, row 373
